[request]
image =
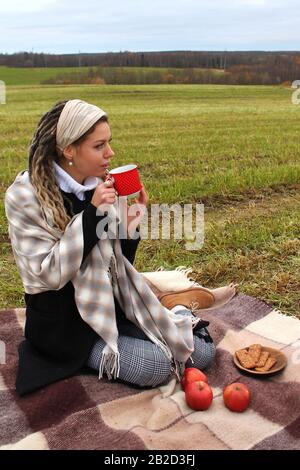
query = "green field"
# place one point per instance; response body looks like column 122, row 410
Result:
column 235, row 148
column 36, row 75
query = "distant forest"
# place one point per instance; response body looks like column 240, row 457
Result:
column 253, row 67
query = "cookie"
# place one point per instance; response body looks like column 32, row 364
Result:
column 255, row 351
column 262, row 359
column 245, row 359
column 268, row 365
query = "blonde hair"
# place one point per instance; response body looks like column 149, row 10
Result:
column 42, row 154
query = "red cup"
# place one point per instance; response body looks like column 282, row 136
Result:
column 126, row 180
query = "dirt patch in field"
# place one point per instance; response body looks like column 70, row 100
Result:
column 257, row 195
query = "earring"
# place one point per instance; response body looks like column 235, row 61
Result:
column 70, row 163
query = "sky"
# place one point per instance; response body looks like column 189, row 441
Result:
column 72, row 26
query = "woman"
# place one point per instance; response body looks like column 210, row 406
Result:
column 86, row 305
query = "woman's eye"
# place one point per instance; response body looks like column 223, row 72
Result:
column 102, row 145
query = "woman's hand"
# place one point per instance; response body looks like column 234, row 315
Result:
column 104, row 193
column 143, row 197
column 136, row 211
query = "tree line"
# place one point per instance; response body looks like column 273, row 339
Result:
column 250, row 67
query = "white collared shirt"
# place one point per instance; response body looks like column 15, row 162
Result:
column 70, row 185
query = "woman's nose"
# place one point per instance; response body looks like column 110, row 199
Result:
column 110, row 152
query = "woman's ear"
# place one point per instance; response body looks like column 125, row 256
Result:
column 68, row 152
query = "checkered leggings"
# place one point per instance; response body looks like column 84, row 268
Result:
column 143, row 363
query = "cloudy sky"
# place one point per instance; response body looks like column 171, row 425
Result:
column 70, row 26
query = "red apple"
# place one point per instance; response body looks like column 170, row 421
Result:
column 237, row 397
column 191, row 374
column 198, row 395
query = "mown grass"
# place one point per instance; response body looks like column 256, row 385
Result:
column 233, row 148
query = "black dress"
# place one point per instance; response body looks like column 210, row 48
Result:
column 57, row 341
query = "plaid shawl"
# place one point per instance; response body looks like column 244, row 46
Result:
column 48, row 258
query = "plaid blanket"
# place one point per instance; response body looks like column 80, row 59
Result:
column 83, row 413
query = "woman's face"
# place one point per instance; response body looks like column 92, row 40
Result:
column 91, row 157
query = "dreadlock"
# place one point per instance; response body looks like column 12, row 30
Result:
column 42, row 153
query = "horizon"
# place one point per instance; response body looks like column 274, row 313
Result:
column 285, row 51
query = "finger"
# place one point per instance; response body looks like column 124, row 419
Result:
column 110, row 191
column 109, row 197
column 143, row 200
